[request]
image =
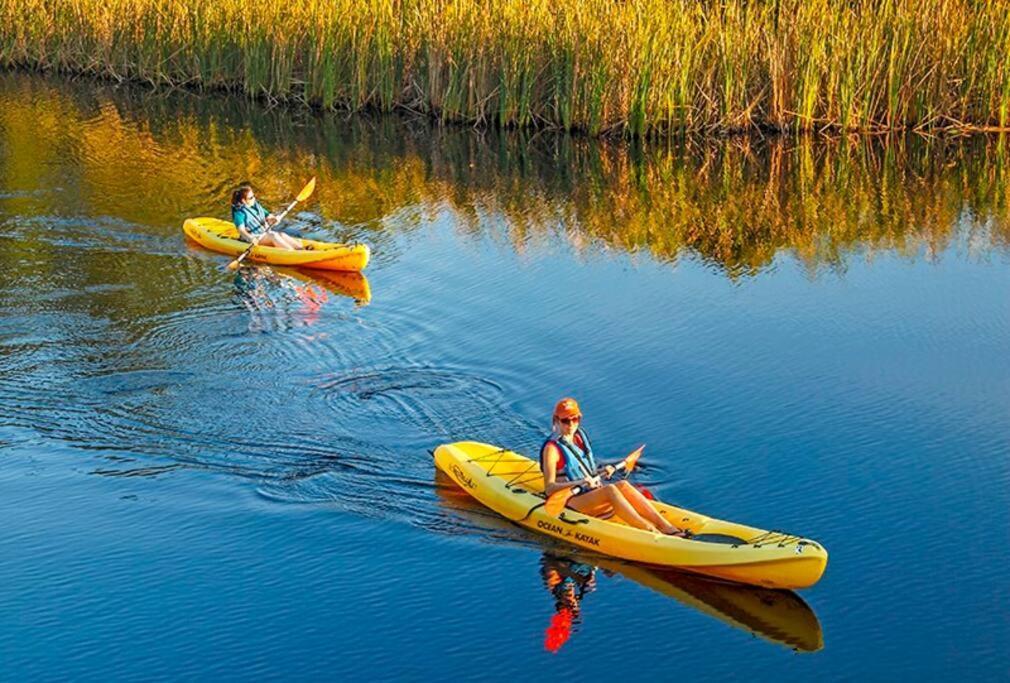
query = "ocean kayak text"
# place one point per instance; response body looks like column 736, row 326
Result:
column 567, row 533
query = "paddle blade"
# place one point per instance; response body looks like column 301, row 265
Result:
column 307, row 191
column 558, row 632
column 632, row 459
column 234, row 264
column 556, row 501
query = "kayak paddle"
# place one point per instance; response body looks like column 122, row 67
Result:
column 302, row 196
column 555, row 502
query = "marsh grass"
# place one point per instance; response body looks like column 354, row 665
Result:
column 638, row 67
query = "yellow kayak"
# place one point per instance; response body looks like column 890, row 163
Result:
column 222, row 236
column 512, row 485
column 778, row 616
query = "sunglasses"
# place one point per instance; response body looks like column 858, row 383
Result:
column 569, row 420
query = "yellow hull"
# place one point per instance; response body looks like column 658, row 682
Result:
column 512, row 485
column 222, row 236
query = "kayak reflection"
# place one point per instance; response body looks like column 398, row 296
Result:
column 777, row 616
column 342, row 283
column 279, row 297
column 294, row 295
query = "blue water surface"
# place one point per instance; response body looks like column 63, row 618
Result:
column 210, row 475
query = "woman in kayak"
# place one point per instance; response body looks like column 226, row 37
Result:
column 252, row 219
column 566, row 458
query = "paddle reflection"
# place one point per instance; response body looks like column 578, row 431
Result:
column 776, row 616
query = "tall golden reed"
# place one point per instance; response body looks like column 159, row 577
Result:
column 637, row 67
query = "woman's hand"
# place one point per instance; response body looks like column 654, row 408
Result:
column 271, row 220
column 608, row 471
column 593, row 482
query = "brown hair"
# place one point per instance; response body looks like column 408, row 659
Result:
column 239, row 195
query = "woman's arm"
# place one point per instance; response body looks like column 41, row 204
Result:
column 269, row 219
column 551, row 484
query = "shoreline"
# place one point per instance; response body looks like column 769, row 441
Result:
column 296, row 103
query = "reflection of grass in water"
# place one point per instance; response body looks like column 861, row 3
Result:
column 736, row 204
column 639, row 67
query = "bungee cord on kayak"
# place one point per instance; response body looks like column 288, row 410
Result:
column 779, row 538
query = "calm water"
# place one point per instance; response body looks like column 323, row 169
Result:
column 204, row 474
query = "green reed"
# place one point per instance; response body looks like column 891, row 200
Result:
column 638, row 67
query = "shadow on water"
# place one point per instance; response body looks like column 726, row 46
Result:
column 571, row 576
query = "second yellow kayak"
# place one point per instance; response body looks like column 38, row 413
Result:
column 222, row 236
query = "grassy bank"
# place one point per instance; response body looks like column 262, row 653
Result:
column 639, row 67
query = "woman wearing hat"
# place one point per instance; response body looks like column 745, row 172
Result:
column 566, row 458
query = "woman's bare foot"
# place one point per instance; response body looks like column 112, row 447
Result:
column 671, row 530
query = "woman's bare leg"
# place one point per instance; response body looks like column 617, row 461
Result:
column 607, row 497
column 643, row 507
column 288, row 241
column 280, row 240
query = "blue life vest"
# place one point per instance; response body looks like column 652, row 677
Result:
column 575, row 463
column 252, row 218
